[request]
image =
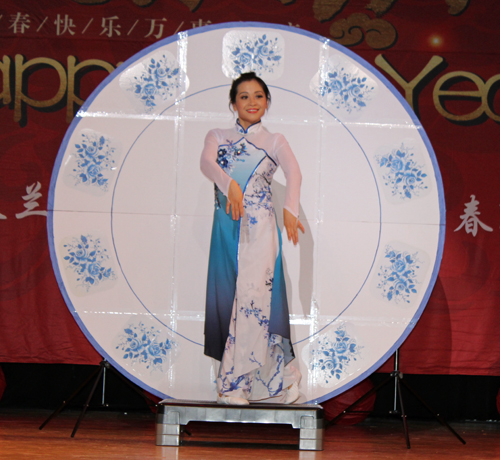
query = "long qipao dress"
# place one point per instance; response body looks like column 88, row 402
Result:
column 247, row 321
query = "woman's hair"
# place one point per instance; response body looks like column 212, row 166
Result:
column 249, row 76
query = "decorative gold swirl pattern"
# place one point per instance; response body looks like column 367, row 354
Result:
column 143, row 2
column 193, row 5
column 457, row 6
column 380, row 7
column 324, row 10
column 379, row 34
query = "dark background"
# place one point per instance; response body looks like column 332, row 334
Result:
column 46, row 386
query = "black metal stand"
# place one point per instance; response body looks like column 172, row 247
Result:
column 98, row 373
column 397, row 376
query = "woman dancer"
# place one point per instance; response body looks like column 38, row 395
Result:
column 247, row 322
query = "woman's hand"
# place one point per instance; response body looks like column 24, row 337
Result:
column 292, row 224
column 235, row 201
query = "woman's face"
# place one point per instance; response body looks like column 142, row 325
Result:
column 251, row 103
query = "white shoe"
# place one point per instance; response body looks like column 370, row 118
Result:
column 292, row 393
column 232, row 400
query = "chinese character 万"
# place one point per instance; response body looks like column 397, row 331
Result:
column 470, row 219
column 32, row 194
column 153, row 27
column 108, row 27
column 20, row 22
column 64, row 25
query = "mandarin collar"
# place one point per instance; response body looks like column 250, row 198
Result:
column 251, row 129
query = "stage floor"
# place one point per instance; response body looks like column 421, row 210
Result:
column 119, row 435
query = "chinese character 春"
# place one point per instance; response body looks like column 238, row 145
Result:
column 108, row 27
column 20, row 22
column 32, row 194
column 470, row 220
column 200, row 23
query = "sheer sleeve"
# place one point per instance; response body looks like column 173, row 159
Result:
column 293, row 176
column 209, row 166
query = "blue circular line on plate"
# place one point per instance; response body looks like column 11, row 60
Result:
column 117, row 365
column 403, row 336
column 112, row 226
column 210, row 89
column 324, row 40
column 380, row 221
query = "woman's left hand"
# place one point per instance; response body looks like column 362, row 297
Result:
column 292, row 225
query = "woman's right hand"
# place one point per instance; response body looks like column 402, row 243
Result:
column 235, row 201
column 292, row 225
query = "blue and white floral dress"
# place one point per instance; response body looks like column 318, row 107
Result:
column 247, row 321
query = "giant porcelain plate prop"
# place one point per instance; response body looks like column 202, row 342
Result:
column 130, row 212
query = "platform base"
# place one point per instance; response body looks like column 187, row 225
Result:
column 173, row 413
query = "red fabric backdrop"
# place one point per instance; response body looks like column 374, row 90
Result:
column 55, row 52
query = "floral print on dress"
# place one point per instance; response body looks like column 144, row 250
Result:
column 252, row 310
column 230, row 341
column 229, row 384
column 274, row 383
column 229, row 154
column 217, row 194
column 269, row 279
column 254, row 369
column 258, row 196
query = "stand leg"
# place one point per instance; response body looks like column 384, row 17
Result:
column 65, row 403
column 398, row 380
column 358, row 401
column 433, row 412
column 131, row 385
column 86, row 405
column 403, row 413
column 100, row 371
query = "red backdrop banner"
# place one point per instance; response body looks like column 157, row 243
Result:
column 442, row 55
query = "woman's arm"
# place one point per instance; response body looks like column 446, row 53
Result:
column 235, row 201
column 209, row 166
column 229, row 187
column 293, row 176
